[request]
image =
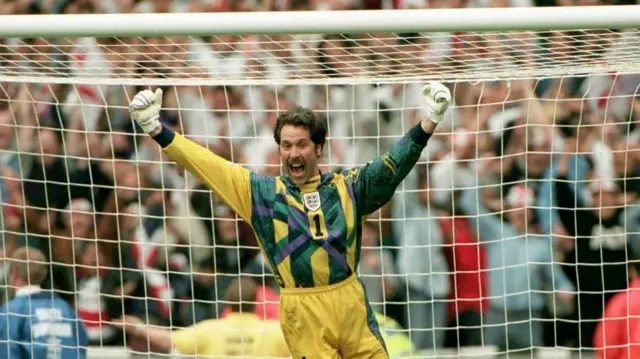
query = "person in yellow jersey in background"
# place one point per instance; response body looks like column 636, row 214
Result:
column 240, row 334
column 398, row 343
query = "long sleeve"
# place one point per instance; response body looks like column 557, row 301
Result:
column 376, row 182
column 232, row 183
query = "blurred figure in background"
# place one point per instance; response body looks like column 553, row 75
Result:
column 377, row 268
column 421, row 261
column 617, row 334
column 38, row 323
column 598, row 224
column 521, row 266
column 241, row 333
column 467, row 259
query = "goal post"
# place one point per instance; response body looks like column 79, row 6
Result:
column 517, row 226
column 323, row 22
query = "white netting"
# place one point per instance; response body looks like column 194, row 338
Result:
column 252, row 59
column 116, row 218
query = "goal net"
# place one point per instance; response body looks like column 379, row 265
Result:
column 517, row 228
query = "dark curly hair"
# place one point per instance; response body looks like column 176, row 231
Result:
column 302, row 117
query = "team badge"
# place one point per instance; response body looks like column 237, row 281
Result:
column 311, row 200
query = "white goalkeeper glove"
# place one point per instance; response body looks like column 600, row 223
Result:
column 438, row 100
column 145, row 109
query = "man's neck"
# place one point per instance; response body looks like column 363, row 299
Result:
column 311, row 184
column 28, row 290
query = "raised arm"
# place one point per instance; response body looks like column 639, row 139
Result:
column 159, row 338
column 232, row 183
column 376, row 182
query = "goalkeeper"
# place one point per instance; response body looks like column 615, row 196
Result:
column 308, row 223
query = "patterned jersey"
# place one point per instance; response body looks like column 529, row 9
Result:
column 310, row 234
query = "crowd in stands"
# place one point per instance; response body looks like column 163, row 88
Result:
column 523, row 210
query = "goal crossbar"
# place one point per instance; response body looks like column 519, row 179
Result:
column 321, row 22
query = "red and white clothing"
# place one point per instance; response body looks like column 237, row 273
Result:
column 93, row 311
column 467, row 262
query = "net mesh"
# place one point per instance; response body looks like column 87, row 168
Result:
column 544, row 127
column 316, row 58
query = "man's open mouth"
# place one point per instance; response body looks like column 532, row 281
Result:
column 296, row 169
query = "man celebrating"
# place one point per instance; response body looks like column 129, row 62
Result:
column 38, row 324
column 308, row 223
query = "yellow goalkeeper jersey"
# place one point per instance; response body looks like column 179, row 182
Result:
column 310, row 235
column 237, row 335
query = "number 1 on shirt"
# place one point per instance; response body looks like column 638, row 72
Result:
column 317, row 224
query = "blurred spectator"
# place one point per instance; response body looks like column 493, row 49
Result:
column 35, row 322
column 45, row 184
column 617, row 334
column 377, row 268
column 421, row 262
column 91, row 307
column 257, row 150
column 11, row 219
column 521, row 266
column 467, row 260
column 596, row 220
column 233, row 240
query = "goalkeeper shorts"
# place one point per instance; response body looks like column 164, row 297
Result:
column 330, row 322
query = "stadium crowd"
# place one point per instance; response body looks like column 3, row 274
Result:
column 523, row 210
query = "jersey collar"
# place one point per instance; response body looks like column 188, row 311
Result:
column 28, row 290
column 313, row 183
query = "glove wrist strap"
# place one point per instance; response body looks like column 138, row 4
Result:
column 151, row 125
column 435, row 118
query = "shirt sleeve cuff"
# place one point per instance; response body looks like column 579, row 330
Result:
column 419, row 136
column 165, row 137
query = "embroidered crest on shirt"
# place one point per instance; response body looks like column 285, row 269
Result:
column 311, row 200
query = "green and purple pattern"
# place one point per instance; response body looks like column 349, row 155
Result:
column 368, row 188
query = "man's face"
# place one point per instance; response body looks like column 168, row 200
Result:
column 80, row 223
column 520, row 218
column 298, row 153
